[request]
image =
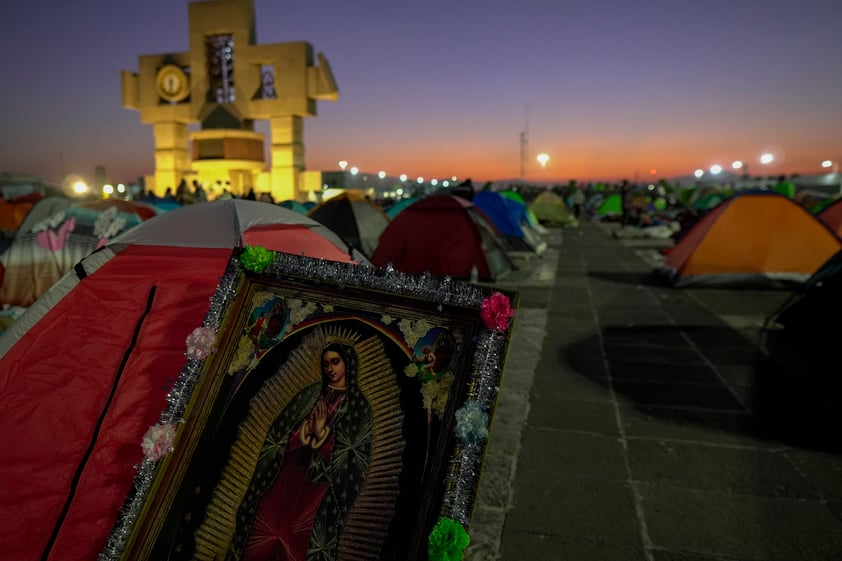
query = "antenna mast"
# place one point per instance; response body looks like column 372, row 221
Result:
column 524, row 146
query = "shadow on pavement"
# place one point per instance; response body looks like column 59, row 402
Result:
column 790, row 393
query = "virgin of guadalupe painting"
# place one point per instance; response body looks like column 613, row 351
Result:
column 322, row 428
column 313, row 469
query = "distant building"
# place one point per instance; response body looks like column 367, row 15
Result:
column 224, row 82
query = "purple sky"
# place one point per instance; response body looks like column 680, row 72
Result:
column 611, row 88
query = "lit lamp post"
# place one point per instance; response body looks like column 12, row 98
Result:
column 834, row 167
column 543, row 159
column 739, row 167
column 766, row 159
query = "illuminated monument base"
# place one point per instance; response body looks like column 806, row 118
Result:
column 224, row 83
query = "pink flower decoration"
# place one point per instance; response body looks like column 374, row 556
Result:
column 158, row 441
column 201, row 342
column 496, row 310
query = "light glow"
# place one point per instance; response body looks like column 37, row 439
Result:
column 767, row 158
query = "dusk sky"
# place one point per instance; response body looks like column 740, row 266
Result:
column 609, row 89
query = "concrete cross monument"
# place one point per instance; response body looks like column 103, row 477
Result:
column 224, row 82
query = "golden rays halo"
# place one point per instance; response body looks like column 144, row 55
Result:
column 368, row 519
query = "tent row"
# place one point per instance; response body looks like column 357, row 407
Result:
column 57, row 232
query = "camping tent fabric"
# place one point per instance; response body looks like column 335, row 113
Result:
column 13, row 213
column 505, row 217
column 550, row 210
column 40, row 255
column 295, row 205
column 832, row 216
column 533, row 220
column 612, row 205
column 396, row 208
column 443, row 235
column 709, row 201
column 813, row 313
column 509, row 216
column 353, row 218
column 87, row 368
column 752, row 239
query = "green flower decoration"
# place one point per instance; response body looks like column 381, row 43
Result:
column 256, row 258
column 448, row 541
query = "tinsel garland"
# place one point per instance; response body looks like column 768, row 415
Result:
column 485, row 374
column 463, row 471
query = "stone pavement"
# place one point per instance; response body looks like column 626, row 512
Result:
column 627, row 426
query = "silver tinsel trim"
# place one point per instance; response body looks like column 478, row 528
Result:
column 464, row 468
column 485, row 375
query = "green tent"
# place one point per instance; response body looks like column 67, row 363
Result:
column 611, row 205
column 550, row 210
column 709, row 201
column 786, row 188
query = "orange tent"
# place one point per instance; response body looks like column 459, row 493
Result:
column 752, row 239
column 13, row 212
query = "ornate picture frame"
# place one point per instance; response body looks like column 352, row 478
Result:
column 330, row 409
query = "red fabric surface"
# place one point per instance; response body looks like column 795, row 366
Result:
column 55, row 382
column 435, row 235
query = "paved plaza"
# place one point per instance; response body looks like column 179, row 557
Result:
column 638, row 422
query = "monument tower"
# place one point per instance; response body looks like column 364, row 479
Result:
column 224, row 83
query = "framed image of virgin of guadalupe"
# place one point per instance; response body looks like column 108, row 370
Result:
column 326, row 411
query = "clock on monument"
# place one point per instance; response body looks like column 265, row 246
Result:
column 172, row 83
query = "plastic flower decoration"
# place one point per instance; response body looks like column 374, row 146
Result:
column 471, row 423
column 447, row 541
column 496, row 311
column 434, row 393
column 256, row 258
column 242, row 355
column 158, row 441
column 201, row 342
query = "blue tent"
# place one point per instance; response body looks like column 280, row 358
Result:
column 505, row 213
column 295, row 205
column 512, row 220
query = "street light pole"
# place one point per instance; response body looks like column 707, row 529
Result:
column 543, row 158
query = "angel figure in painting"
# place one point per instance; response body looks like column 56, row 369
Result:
column 311, row 445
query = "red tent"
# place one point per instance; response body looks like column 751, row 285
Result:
column 832, row 216
column 86, row 370
column 443, row 235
